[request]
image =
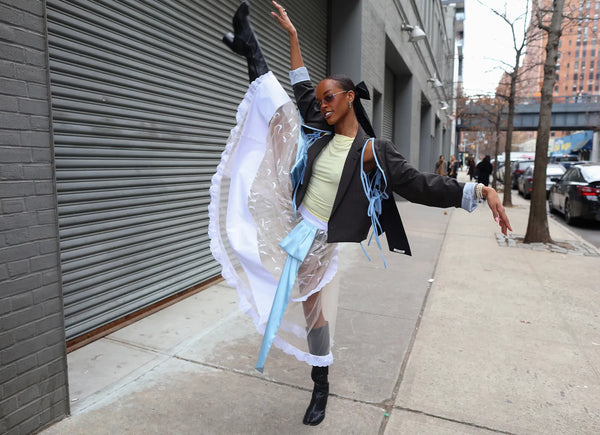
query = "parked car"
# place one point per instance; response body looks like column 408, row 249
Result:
column 566, row 160
column 577, row 193
column 525, row 185
column 500, row 172
column 517, row 169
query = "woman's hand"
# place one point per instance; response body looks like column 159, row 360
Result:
column 497, row 208
column 283, row 19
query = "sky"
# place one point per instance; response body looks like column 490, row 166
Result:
column 488, row 41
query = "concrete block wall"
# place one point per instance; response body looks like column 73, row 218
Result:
column 33, row 370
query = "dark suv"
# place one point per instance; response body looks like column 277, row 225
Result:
column 517, row 170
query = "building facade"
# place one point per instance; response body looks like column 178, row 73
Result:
column 578, row 63
column 114, row 116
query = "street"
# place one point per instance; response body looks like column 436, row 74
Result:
column 589, row 231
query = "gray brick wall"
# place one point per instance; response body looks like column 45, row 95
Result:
column 33, row 369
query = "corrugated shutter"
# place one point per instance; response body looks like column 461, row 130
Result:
column 144, row 95
column 388, row 105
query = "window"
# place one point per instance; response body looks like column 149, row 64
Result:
column 589, row 88
column 591, row 75
column 555, row 88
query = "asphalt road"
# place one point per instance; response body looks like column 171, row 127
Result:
column 589, row 231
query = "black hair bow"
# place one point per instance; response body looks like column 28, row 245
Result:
column 362, row 91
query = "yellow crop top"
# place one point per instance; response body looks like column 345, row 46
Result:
column 325, row 179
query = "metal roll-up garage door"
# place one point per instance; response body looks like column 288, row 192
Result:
column 144, row 95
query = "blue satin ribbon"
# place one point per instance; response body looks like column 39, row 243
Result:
column 374, row 188
column 296, row 244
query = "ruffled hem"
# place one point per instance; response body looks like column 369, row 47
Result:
column 300, row 355
column 216, row 244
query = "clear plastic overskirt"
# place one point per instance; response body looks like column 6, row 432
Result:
column 251, row 212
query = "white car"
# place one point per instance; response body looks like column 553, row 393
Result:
column 525, row 184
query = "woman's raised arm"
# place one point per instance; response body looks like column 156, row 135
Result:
column 285, row 22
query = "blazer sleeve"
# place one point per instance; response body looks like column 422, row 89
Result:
column 416, row 186
column 305, row 100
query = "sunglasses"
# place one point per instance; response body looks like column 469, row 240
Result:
column 328, row 99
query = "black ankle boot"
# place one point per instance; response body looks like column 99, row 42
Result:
column 315, row 413
column 244, row 42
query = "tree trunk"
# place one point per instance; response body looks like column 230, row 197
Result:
column 496, row 147
column 507, row 198
column 537, row 226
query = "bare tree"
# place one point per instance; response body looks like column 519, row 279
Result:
column 537, row 226
column 519, row 41
column 485, row 114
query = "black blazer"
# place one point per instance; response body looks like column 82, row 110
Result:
column 349, row 221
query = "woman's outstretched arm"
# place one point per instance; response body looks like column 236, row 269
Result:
column 303, row 88
column 285, row 22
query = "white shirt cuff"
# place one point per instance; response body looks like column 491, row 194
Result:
column 299, row 75
column 469, row 201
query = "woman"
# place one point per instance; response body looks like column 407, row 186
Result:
column 484, row 169
column 453, row 167
column 440, row 166
column 344, row 172
column 471, row 170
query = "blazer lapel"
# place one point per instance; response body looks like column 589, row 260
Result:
column 351, row 167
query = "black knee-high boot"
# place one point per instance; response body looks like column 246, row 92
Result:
column 315, row 413
column 244, row 42
column 318, row 344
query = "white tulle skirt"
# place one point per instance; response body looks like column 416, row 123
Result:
column 251, row 212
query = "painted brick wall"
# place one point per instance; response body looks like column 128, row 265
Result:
column 33, row 371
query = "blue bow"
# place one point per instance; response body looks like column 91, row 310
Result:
column 296, row 244
column 375, row 191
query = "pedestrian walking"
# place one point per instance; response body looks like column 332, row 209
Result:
column 453, row 167
column 471, row 169
column 440, row 166
column 484, row 169
column 275, row 188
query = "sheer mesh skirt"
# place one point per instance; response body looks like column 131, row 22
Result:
column 251, row 212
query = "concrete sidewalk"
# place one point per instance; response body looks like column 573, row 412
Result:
column 467, row 336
